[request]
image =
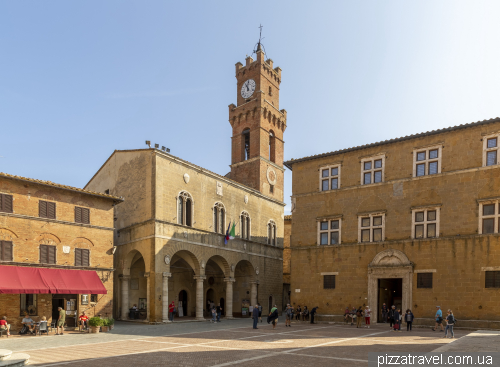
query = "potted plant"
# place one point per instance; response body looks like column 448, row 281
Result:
column 95, row 323
column 105, row 325
column 111, row 323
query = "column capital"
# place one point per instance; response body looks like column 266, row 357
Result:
column 124, row 277
column 200, row 277
column 255, row 282
column 229, row 280
column 146, row 275
column 166, row 274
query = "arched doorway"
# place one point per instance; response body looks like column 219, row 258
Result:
column 210, row 299
column 244, row 289
column 183, row 297
column 222, row 305
column 216, row 270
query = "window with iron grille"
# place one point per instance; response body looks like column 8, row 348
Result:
column 329, row 232
column 492, row 279
column 427, row 161
column 425, row 223
column 328, row 281
column 424, row 280
column 6, row 251
column 371, row 227
column 82, row 215
column 6, row 203
column 490, row 150
column 372, row 170
column 329, row 178
column 47, row 209
column 489, row 217
column 47, row 254
column 82, row 257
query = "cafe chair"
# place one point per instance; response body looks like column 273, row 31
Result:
column 43, row 327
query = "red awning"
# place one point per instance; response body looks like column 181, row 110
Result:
column 20, row 279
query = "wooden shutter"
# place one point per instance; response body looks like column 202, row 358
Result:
column 42, row 209
column 51, row 252
column 6, row 203
column 78, row 214
column 43, row 254
column 85, row 215
column 85, row 257
column 6, row 251
column 51, row 210
column 78, row 257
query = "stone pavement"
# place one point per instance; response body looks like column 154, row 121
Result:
column 232, row 342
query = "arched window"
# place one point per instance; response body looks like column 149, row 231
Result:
column 219, row 218
column 245, row 225
column 271, row 233
column 272, row 146
column 270, row 91
column 245, row 144
column 185, row 209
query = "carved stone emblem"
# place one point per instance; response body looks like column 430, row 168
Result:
column 271, row 176
column 186, row 178
column 219, row 188
column 232, row 267
column 66, row 249
column 167, row 259
column 257, row 270
column 203, row 264
column 245, row 199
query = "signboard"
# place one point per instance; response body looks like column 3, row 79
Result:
column 245, row 305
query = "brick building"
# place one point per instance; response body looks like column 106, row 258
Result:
column 412, row 221
column 172, row 225
column 56, row 249
column 286, row 259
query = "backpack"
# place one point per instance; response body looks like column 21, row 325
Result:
column 24, row 330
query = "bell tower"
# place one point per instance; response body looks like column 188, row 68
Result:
column 258, row 126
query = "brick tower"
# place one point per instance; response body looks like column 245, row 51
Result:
column 258, row 126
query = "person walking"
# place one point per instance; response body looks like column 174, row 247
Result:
column 385, row 313
column 313, row 313
column 60, row 321
column 288, row 315
column 368, row 313
column 408, row 319
column 171, row 311
column 218, row 310
column 439, row 319
column 273, row 317
column 450, row 322
column 397, row 326
column 359, row 317
column 299, row 312
column 255, row 316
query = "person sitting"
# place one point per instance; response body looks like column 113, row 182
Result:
column 299, row 312
column 43, row 326
column 28, row 322
column 305, row 314
column 4, row 325
column 134, row 307
column 83, row 321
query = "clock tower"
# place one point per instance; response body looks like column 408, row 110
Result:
column 258, row 126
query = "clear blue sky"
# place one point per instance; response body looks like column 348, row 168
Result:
column 79, row 79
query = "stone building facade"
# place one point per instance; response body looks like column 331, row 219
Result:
column 172, row 225
column 287, row 252
column 412, row 221
column 41, row 228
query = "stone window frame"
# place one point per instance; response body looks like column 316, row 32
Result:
column 248, row 234
column 217, row 208
column 330, row 177
column 371, row 227
column 271, row 229
column 486, row 149
column 495, row 216
column 184, row 196
column 427, row 160
column 425, row 209
column 329, row 230
column 372, row 170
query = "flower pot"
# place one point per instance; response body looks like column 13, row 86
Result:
column 105, row 329
column 111, row 327
column 94, row 329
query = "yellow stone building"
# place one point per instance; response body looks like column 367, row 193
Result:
column 171, row 228
column 412, row 222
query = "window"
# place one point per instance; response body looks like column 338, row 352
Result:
column 492, row 279
column 427, row 161
column 425, row 223
column 93, row 298
column 47, row 254
column 489, row 217
column 329, row 232
column 219, row 218
column 271, row 189
column 271, row 233
column 82, row 215
column 424, row 280
column 371, row 227
column 328, row 281
column 82, row 257
column 372, row 170
column 28, row 304
column 490, row 150
column 6, row 251
column 106, row 192
column 47, row 209
column 245, row 140
column 245, row 225
column 6, row 203
column 329, row 178
column 270, row 91
column 272, row 146
column 185, row 209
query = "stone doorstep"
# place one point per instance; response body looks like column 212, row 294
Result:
column 5, row 354
column 14, row 359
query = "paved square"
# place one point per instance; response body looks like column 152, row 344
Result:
column 229, row 343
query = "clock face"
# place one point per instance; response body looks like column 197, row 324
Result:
column 248, row 88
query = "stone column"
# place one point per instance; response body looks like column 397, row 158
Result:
column 229, row 297
column 199, row 296
column 164, row 297
column 125, row 302
column 150, row 302
column 253, row 293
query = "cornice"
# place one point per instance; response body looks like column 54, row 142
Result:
column 21, row 216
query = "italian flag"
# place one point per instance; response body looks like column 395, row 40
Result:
column 230, row 234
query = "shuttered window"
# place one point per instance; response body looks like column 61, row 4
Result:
column 424, row 280
column 328, row 281
column 492, row 279
column 82, row 257
column 82, row 215
column 6, row 203
column 46, row 209
column 6, row 251
column 47, row 254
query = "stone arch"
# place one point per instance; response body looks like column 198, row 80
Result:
column 48, row 239
column 82, row 242
column 246, row 268
column 131, row 258
column 390, row 257
column 191, row 259
column 222, row 263
column 7, row 235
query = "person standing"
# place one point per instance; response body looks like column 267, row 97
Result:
column 385, row 313
column 218, row 309
column 359, row 317
column 439, row 319
column 313, row 313
column 171, row 311
column 396, row 316
column 408, row 319
column 255, row 316
column 260, row 312
column 450, row 322
column 60, row 321
column 368, row 313
column 289, row 315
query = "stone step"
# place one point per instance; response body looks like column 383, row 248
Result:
column 4, row 354
column 15, row 360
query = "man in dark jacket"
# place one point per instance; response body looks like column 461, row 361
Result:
column 391, row 316
column 313, row 312
column 397, row 327
column 385, row 311
column 255, row 315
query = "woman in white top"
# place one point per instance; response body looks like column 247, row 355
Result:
column 368, row 313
